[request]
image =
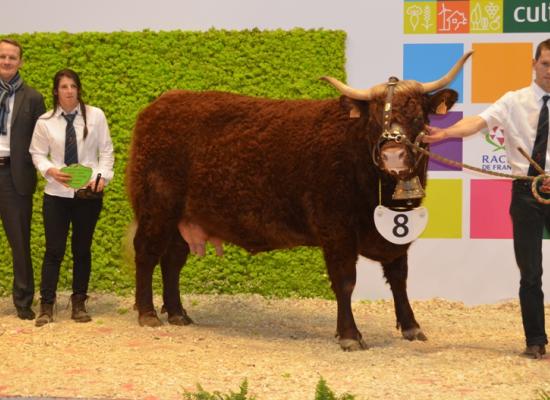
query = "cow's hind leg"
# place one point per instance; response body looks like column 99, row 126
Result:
column 171, row 263
column 149, row 244
column 396, row 274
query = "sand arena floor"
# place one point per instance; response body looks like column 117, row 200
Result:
column 282, row 347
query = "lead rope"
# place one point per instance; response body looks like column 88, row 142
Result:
column 379, row 191
column 457, row 164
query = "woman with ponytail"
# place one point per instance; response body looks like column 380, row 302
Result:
column 73, row 133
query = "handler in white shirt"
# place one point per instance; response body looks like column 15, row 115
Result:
column 523, row 115
column 62, row 205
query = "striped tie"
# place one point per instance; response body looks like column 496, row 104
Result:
column 71, row 151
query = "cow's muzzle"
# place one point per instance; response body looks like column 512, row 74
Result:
column 393, row 155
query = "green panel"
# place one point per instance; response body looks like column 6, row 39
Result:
column 444, row 204
column 121, row 73
column 526, row 16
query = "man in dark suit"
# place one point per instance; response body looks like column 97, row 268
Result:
column 20, row 107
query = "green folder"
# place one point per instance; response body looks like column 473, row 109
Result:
column 80, row 175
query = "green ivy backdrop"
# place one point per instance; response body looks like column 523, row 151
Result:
column 121, row 73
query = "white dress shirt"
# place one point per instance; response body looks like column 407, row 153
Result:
column 517, row 112
column 48, row 146
column 5, row 139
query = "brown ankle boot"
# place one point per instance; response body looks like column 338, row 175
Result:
column 45, row 316
column 79, row 313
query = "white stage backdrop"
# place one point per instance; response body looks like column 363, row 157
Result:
column 458, row 268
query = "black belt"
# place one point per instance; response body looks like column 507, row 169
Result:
column 523, row 182
column 4, row 161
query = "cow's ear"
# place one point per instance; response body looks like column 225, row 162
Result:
column 440, row 102
column 352, row 107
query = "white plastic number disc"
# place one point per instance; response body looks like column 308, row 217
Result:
column 400, row 227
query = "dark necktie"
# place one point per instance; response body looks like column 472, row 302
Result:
column 541, row 141
column 71, row 151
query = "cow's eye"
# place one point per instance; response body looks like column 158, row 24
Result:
column 418, row 122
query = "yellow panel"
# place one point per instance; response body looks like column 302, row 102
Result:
column 420, row 17
column 444, row 203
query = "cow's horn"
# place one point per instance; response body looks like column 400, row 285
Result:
column 346, row 90
column 444, row 81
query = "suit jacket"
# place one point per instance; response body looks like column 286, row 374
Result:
column 27, row 107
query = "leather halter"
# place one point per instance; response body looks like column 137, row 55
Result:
column 393, row 132
column 386, row 133
column 396, row 134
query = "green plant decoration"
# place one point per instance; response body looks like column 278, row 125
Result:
column 121, row 73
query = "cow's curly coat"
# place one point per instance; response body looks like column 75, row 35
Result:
column 268, row 174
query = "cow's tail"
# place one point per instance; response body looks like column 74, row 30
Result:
column 128, row 251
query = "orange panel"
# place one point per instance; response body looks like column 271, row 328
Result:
column 498, row 68
column 453, row 16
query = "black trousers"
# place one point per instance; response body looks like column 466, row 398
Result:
column 529, row 218
column 59, row 213
column 16, row 213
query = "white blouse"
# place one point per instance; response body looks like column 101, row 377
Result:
column 48, row 146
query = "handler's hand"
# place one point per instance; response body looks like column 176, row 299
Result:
column 59, row 176
column 545, row 187
column 433, row 134
column 100, row 185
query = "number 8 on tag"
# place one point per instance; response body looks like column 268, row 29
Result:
column 400, row 227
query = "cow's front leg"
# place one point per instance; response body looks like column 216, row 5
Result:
column 342, row 273
column 171, row 264
column 396, row 274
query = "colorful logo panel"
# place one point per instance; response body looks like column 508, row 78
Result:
column 489, row 205
column 498, row 68
column 428, row 62
column 444, row 204
column 476, row 16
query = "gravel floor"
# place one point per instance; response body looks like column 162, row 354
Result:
column 282, row 347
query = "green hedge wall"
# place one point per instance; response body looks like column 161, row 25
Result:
column 121, row 73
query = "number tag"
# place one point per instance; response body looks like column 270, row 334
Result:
column 400, row 227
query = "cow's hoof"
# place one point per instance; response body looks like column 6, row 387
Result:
column 179, row 319
column 149, row 319
column 414, row 334
column 353, row 344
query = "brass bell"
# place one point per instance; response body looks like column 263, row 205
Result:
column 411, row 189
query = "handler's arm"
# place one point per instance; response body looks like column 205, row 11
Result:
column 465, row 127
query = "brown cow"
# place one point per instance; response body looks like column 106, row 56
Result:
column 269, row 174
